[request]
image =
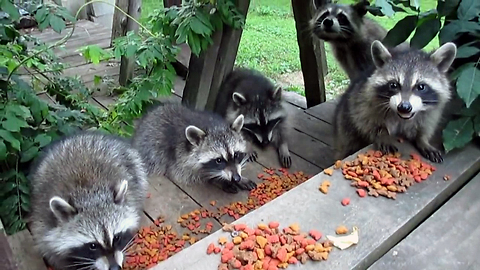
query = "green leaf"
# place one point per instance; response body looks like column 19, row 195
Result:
column 41, row 14
column 7, row 136
column 447, row 7
column 468, row 84
column 14, row 124
column 425, row 33
column 19, row 110
column 43, row 140
column 57, row 23
column 29, row 154
column 466, row 51
column 386, row 7
column 455, row 28
column 9, row 7
column 7, row 187
column 65, row 14
column 198, row 27
column 131, row 50
column 3, row 150
column 401, row 31
column 42, row 25
column 468, row 9
column 457, row 133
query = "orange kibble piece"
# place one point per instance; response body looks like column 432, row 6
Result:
column 237, row 240
column 295, row 227
column 261, row 241
column 212, row 203
column 328, row 171
column 260, row 253
column 341, row 230
column 310, row 247
column 273, row 225
column 222, row 240
column 262, row 226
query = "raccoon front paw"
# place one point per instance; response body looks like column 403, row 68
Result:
column 431, row 154
column 253, row 156
column 286, row 161
column 387, row 148
column 229, row 187
column 246, row 184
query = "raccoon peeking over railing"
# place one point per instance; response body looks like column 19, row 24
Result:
column 349, row 33
column 88, row 192
column 251, row 94
column 191, row 146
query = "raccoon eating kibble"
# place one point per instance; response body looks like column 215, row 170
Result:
column 191, row 146
column 249, row 93
column 87, row 199
column 349, row 33
column 404, row 95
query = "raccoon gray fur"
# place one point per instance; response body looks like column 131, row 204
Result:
column 349, row 33
column 190, row 146
column 404, row 95
column 88, row 191
column 250, row 93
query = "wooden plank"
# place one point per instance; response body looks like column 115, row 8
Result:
column 324, row 111
column 294, row 99
column 7, row 260
column 170, row 202
column 450, row 236
column 311, row 68
column 226, row 55
column 26, row 257
column 120, row 21
column 382, row 222
column 127, row 66
column 269, row 158
column 310, row 149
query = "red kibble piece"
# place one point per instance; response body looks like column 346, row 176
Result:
column 361, row 192
column 273, row 225
column 346, row 201
column 315, row 234
column 217, row 250
column 240, row 227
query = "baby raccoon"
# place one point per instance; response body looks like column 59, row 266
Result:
column 190, row 146
column 88, row 192
column 349, row 33
column 403, row 96
column 249, row 93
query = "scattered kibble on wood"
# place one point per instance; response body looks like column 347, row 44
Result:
column 328, row 171
column 341, row 230
column 324, row 186
column 271, row 248
column 384, row 175
column 346, row 201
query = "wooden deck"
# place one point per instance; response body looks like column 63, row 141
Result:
column 310, row 143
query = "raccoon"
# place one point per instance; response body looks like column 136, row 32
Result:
column 349, row 33
column 404, row 95
column 249, row 93
column 88, row 191
column 191, row 146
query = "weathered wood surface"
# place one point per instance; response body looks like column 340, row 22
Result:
column 119, row 26
column 326, row 112
column 449, row 239
column 127, row 65
column 24, row 254
column 382, row 222
column 7, row 260
column 311, row 62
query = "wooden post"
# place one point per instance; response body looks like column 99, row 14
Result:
column 121, row 25
column 312, row 68
column 208, row 70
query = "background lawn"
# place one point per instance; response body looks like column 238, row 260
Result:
column 269, row 43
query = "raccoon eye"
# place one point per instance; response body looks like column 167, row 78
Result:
column 421, row 87
column 342, row 19
column 235, row 155
column 218, row 160
column 116, row 238
column 393, row 85
column 93, row 246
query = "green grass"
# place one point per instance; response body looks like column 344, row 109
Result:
column 269, row 43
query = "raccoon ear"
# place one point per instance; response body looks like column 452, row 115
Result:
column 61, row 209
column 237, row 125
column 320, row 3
column 380, row 54
column 443, row 57
column 361, row 7
column 277, row 93
column 238, row 98
column 194, row 135
column 120, row 192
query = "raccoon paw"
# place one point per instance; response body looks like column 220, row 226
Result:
column 253, row 156
column 387, row 148
column 286, row 161
column 246, row 184
column 229, row 187
column 433, row 155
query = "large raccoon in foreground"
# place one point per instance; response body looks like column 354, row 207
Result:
column 403, row 96
column 249, row 93
column 349, row 33
column 190, row 146
column 88, row 192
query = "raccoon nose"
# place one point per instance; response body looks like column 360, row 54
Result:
column 328, row 23
column 236, row 177
column 404, row 107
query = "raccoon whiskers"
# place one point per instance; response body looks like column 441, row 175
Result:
column 346, row 30
column 128, row 245
column 88, row 267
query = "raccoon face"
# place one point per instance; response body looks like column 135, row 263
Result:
column 93, row 238
column 413, row 81
column 262, row 114
column 221, row 154
column 337, row 22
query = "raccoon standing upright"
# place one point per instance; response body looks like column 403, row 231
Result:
column 191, row 146
column 249, row 93
column 404, row 95
column 88, row 192
column 349, row 33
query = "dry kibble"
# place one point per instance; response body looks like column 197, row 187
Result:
column 328, row 171
column 341, row 230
